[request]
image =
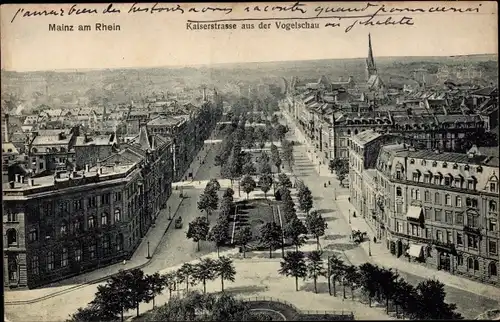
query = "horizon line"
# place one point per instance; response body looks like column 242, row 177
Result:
column 66, row 70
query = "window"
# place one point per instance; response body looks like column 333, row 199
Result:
column 437, row 179
column 449, row 237
column 437, row 198
column 427, row 213
column 459, row 219
column 91, row 222
column 493, row 206
column 118, row 215
column 412, row 161
column 118, row 196
column 417, row 194
column 458, row 183
column 492, row 268
column 427, row 196
column 92, row 251
column 447, row 181
column 439, row 235
column 77, row 205
column 35, row 264
column 476, row 265
column 64, row 206
column 398, row 174
column 50, row 261
column 104, row 219
column 438, row 215
column 33, row 235
column 399, row 208
column 105, row 199
column 415, row 176
column 119, row 242
column 414, row 230
column 492, row 224
column 11, row 216
column 445, row 165
column 447, row 200
column 492, row 246
column 423, row 162
column 448, row 217
column 92, row 202
column 472, row 220
column 470, row 263
column 470, row 184
column 479, row 169
column 399, row 192
column 105, row 244
column 434, row 164
column 78, row 254
column 399, row 227
column 466, row 167
column 64, row 258
column 64, row 227
column 77, row 226
column 427, row 178
column 460, row 239
column 458, row 202
column 493, row 186
column 460, row 260
column 11, row 237
column 472, row 241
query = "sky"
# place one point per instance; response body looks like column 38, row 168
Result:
column 154, row 39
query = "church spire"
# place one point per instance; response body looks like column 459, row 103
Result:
column 370, row 62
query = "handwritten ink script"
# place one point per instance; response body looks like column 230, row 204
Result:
column 291, row 16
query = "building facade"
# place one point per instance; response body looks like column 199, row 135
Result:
column 440, row 209
column 73, row 222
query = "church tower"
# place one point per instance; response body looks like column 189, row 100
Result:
column 370, row 62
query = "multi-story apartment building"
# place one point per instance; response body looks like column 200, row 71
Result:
column 49, row 150
column 440, row 209
column 363, row 152
column 89, row 149
column 68, row 223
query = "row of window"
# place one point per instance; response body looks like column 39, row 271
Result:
column 64, row 228
column 447, row 237
column 78, row 204
column 77, row 253
column 434, row 164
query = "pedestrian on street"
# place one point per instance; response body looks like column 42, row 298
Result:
column 374, row 239
column 349, row 199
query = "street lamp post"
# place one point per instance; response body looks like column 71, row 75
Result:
column 169, row 213
column 148, row 257
column 369, row 247
column 349, row 215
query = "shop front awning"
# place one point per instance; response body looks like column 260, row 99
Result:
column 415, row 250
column 414, row 212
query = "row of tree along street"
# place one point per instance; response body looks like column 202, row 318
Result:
column 425, row 301
column 128, row 289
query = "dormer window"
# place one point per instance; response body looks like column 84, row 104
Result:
column 445, row 165
column 493, row 187
column 455, row 166
column 466, row 168
column 434, row 164
column 412, row 161
column 423, row 162
column 479, row 169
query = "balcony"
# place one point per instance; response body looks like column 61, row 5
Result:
column 412, row 238
column 446, row 246
column 472, row 230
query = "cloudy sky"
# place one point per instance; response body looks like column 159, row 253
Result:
column 162, row 39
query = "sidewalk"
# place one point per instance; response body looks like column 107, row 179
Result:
column 382, row 257
column 138, row 260
column 321, row 169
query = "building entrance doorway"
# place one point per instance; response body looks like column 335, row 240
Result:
column 444, row 261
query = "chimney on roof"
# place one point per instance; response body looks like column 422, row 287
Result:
column 17, row 177
column 6, row 127
column 87, row 168
column 12, row 185
column 31, row 182
column 21, row 179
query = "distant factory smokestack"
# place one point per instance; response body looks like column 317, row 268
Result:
column 6, row 127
